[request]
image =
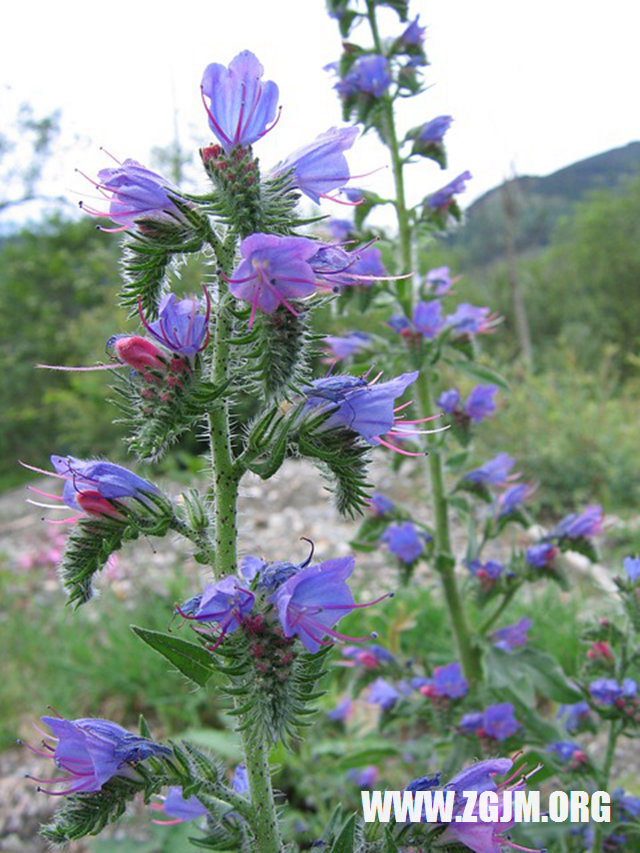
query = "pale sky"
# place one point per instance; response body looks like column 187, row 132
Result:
column 532, row 86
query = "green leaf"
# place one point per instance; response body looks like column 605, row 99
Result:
column 372, row 755
column 482, row 373
column 192, row 660
column 526, row 670
column 220, row 742
column 345, row 839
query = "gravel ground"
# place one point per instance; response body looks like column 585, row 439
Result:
column 273, row 517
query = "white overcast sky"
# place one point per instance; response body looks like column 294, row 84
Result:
column 532, row 86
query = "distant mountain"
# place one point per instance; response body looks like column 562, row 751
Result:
column 537, row 203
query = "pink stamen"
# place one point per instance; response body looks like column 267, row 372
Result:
column 403, row 406
column 111, row 230
column 283, row 301
column 44, row 494
column 167, row 822
column 45, row 506
column 109, row 154
column 399, row 450
column 238, row 280
column 341, row 201
column 215, row 124
column 71, row 520
column 43, row 471
column 419, row 420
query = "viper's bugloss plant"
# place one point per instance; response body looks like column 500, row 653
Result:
column 264, row 632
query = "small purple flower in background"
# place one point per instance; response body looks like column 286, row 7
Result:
column 568, row 751
column 512, row 636
column 442, row 199
column 579, row 525
column 133, row 192
column 499, row 722
column 399, row 323
column 404, row 541
column 427, row 318
column 274, row 270
column 364, row 778
column 471, row 723
column 605, row 691
column 439, row 279
column 449, row 401
column 180, row 326
column 368, row 266
column 541, row 556
column 224, row 602
column 341, row 712
column 370, row 657
column 628, row 803
column 448, row 681
column 382, row 693
column 487, row 572
column 432, row 133
column 311, row 602
column 320, row 166
column 240, row 780
column 346, row 345
column 340, row 229
column 414, row 34
column 241, row 107
column 368, row 75
column 177, row 808
column 471, row 320
column 632, row 568
column 509, row 501
column 575, row 715
column 480, row 403
column 495, row 472
column 629, row 688
column 380, row 504
column 92, row 751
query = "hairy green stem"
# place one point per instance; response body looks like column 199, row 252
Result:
column 266, row 826
column 506, row 599
column 603, row 780
column 469, row 657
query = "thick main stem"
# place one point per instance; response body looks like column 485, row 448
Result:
column 603, row 780
column 226, row 478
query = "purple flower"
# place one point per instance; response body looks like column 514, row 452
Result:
column 449, row 681
column 494, row 472
column 274, row 270
column 542, row 555
column 380, row 504
column 241, row 106
column 480, row 776
column 341, row 712
column 399, row 323
column 382, row 693
column 346, row 345
column 91, row 485
column 486, row 572
column 365, row 408
column 364, row 778
column 510, row 500
column 629, row 804
column 480, row 403
column 427, row 318
column 439, row 279
column 499, row 721
column 320, row 166
column 575, row 715
column 367, row 267
column 368, row 75
column 311, row 602
column 449, row 401
column 414, row 34
column 433, row 132
column 629, row 688
column 632, row 568
column 92, row 751
column 579, row 525
column 567, row 751
column 404, row 541
column 180, row 327
column 340, row 229
column 471, row 723
column 443, row 198
column 179, row 809
column 512, row 636
column 471, row 320
column 134, row 192
column 224, row 602
column 605, row 691
column 370, row 656
column 240, row 780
